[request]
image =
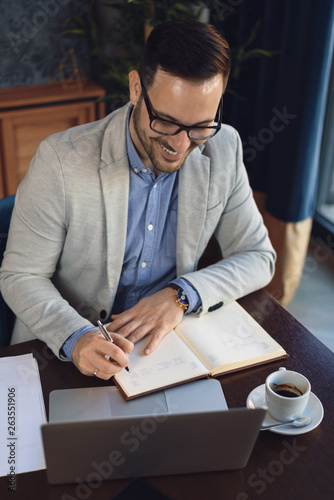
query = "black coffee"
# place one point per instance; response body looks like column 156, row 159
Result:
column 287, row 394
column 287, row 390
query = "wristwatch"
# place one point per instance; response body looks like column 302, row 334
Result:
column 181, row 296
column 182, row 299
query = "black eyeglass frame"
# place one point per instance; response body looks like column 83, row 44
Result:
column 181, row 127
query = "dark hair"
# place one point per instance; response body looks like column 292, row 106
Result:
column 191, row 50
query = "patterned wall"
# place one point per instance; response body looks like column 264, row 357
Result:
column 31, row 45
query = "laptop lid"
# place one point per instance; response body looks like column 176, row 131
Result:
column 139, row 446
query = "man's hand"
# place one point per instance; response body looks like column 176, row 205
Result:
column 157, row 314
column 89, row 354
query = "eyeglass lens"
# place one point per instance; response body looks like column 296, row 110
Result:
column 167, row 128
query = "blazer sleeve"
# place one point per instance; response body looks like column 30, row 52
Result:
column 35, row 242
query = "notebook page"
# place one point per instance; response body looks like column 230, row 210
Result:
column 226, row 336
column 170, row 363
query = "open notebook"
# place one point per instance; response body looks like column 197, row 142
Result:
column 222, row 341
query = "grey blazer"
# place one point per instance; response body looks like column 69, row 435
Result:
column 67, row 236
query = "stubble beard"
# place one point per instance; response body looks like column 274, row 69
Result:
column 148, row 143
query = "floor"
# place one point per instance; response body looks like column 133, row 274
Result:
column 313, row 303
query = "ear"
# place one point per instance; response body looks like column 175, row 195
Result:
column 134, row 86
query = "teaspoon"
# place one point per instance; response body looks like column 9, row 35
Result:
column 298, row 422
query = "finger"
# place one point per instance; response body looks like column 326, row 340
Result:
column 91, row 355
column 98, row 365
column 104, row 373
column 114, row 352
column 95, row 367
column 126, row 329
column 135, row 330
column 139, row 333
column 120, row 320
column 125, row 344
column 105, row 376
column 155, row 341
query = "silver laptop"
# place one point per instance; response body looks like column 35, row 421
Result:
column 180, row 430
column 98, row 403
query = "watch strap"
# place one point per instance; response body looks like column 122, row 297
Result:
column 180, row 295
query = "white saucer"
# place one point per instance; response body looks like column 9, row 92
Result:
column 314, row 409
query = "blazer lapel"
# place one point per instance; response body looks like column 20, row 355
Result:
column 114, row 173
column 115, row 187
column 192, row 207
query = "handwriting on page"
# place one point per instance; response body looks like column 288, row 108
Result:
column 171, row 362
column 229, row 336
column 158, row 368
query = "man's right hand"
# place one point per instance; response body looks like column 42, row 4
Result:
column 90, row 350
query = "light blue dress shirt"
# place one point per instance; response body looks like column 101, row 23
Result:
column 150, row 252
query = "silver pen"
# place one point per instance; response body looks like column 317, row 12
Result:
column 106, row 335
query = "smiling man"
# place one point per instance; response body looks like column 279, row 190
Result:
column 112, row 217
column 194, row 102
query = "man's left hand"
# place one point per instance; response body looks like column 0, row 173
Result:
column 157, row 314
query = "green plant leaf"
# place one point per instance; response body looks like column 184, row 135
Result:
column 260, row 53
column 235, row 94
column 253, row 33
column 75, row 31
column 127, row 36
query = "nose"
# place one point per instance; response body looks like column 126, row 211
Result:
column 179, row 142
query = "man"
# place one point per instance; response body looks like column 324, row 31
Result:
column 113, row 216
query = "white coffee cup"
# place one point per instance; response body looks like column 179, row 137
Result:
column 285, row 408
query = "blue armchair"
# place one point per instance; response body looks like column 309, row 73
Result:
column 6, row 315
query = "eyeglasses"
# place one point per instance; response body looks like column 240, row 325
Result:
column 195, row 133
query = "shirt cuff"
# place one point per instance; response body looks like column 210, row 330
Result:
column 68, row 345
column 192, row 294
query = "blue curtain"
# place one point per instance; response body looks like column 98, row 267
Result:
column 281, row 117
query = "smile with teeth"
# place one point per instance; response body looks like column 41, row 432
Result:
column 168, row 150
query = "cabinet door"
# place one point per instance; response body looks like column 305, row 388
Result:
column 23, row 130
column 2, row 184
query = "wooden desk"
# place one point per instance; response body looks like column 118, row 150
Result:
column 281, row 467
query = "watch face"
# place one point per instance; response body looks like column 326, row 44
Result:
column 182, row 297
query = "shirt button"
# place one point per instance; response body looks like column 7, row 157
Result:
column 150, row 227
column 155, row 186
column 135, row 170
column 143, row 264
column 133, row 294
column 145, row 170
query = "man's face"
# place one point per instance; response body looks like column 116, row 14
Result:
column 176, row 100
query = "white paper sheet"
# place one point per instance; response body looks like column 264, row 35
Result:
column 22, row 412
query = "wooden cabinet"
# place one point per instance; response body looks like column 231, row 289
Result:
column 30, row 114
